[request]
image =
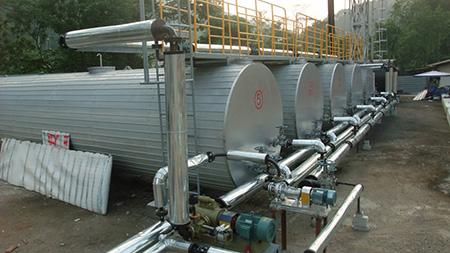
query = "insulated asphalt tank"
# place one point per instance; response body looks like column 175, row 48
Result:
column 302, row 94
column 238, row 107
column 368, row 78
column 355, row 85
column 334, row 91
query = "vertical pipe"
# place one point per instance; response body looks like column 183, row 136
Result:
column 144, row 43
column 175, row 89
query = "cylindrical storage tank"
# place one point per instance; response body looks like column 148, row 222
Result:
column 368, row 77
column 237, row 107
column 355, row 85
column 334, row 91
column 302, row 95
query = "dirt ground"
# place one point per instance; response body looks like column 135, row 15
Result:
column 406, row 179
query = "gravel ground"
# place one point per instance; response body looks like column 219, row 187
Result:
column 406, row 179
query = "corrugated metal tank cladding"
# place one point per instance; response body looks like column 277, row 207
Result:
column 368, row 77
column 302, row 95
column 113, row 113
column 334, row 90
column 355, row 85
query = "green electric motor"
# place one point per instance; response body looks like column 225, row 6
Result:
column 255, row 228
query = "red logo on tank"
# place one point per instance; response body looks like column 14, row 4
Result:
column 258, row 99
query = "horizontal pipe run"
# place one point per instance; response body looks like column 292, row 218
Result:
column 323, row 239
column 131, row 32
column 241, row 193
column 304, row 169
column 295, row 158
column 173, row 245
column 343, row 137
column 366, row 119
column 339, row 154
column 247, row 156
column 308, row 167
column 143, row 239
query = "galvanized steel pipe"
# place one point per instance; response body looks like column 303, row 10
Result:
column 160, row 179
column 323, row 239
column 316, row 144
column 174, row 69
column 143, row 239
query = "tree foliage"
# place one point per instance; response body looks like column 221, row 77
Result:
column 25, row 27
column 419, row 32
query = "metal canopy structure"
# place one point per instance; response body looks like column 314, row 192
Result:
column 432, row 73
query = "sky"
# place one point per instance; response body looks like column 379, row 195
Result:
column 315, row 8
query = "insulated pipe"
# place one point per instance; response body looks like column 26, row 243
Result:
column 160, row 179
column 131, row 32
column 241, row 193
column 247, row 156
column 323, row 239
column 366, row 119
column 295, row 158
column 353, row 120
column 369, row 108
column 143, row 239
column 308, row 167
column 185, row 246
column 342, row 137
column 174, row 69
column 147, row 30
column 331, row 134
column 379, row 99
column 316, row 144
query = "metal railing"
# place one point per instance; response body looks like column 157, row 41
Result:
column 226, row 27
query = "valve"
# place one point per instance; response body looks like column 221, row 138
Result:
column 329, row 168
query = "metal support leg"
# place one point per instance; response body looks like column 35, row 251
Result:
column 274, row 216
column 360, row 220
column 283, row 230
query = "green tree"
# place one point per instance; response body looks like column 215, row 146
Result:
column 25, row 27
column 419, row 32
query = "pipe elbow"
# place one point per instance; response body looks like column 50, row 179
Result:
column 353, row 120
column 285, row 171
column 317, row 144
column 331, row 136
column 159, row 187
column 379, row 99
column 369, row 108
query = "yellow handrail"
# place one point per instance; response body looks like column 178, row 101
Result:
column 227, row 26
